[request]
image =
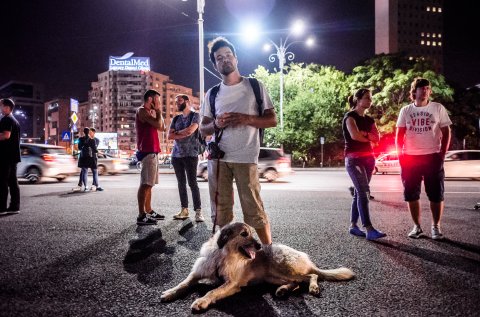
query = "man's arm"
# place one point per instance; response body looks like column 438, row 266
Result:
column 5, row 135
column 400, row 139
column 156, row 122
column 175, row 135
column 267, row 120
column 446, row 135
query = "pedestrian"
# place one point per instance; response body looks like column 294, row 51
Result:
column 96, row 142
column 148, row 121
column 359, row 131
column 10, row 149
column 235, row 124
column 82, row 179
column 422, row 139
column 184, row 132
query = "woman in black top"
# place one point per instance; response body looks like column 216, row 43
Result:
column 359, row 130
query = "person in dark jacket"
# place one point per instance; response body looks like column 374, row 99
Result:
column 10, row 149
column 87, row 146
column 81, row 142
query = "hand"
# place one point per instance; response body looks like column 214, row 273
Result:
column 233, row 119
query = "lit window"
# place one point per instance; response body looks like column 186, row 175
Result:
column 434, row 35
column 428, row 34
column 439, row 9
column 434, row 9
column 423, row 34
column 410, row 58
column 434, row 43
column 440, row 35
column 439, row 43
column 422, row 42
column 428, row 9
column 428, row 43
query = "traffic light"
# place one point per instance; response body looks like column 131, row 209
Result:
column 75, row 137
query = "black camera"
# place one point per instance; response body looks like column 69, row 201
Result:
column 214, row 151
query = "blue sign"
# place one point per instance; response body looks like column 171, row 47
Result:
column 127, row 62
column 65, row 136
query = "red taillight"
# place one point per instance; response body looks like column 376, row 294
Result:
column 48, row 158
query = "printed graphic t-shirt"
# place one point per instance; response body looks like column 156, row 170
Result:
column 423, row 124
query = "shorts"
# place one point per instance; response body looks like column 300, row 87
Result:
column 248, row 186
column 429, row 168
column 149, row 173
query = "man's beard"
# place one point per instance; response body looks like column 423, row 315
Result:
column 227, row 69
column 182, row 106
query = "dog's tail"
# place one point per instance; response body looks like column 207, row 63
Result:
column 340, row 274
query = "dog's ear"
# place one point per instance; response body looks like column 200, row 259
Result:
column 225, row 235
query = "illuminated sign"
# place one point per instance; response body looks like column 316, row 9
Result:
column 73, row 105
column 127, row 62
column 108, row 140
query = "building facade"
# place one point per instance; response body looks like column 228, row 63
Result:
column 115, row 97
column 411, row 27
column 58, row 122
column 29, row 108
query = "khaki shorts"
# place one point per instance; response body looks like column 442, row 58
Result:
column 248, row 186
column 149, row 173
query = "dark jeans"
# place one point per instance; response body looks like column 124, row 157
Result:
column 360, row 170
column 186, row 169
column 8, row 181
column 84, row 177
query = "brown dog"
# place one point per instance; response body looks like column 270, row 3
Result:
column 234, row 255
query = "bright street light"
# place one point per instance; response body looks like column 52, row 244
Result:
column 283, row 54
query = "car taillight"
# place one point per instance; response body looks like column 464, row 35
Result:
column 48, row 158
column 283, row 161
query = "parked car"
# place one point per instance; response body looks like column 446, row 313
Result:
column 43, row 160
column 107, row 164
column 387, row 164
column 458, row 164
column 272, row 164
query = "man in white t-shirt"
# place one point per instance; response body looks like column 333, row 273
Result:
column 238, row 121
column 422, row 139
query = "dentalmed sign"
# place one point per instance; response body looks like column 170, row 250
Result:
column 127, row 62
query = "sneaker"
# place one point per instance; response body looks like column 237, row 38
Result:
column 155, row 215
column 99, row 189
column 370, row 196
column 86, row 190
column 199, row 216
column 352, row 190
column 77, row 189
column 356, row 232
column 416, row 232
column 93, row 188
column 13, row 211
column 144, row 221
column 4, row 212
column 436, row 233
column 375, row 234
column 183, row 214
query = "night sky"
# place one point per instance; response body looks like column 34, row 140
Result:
column 64, row 44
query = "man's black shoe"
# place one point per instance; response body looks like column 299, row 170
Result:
column 13, row 211
column 145, row 221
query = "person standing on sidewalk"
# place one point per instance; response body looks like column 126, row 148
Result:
column 148, row 121
column 422, row 139
column 237, row 119
column 10, row 149
column 359, row 130
column 184, row 132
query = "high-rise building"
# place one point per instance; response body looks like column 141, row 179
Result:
column 411, row 27
column 117, row 94
column 58, row 121
column 29, row 111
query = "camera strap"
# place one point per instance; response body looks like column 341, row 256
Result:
column 218, row 136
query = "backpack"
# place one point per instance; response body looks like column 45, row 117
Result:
column 258, row 97
column 201, row 140
column 86, row 150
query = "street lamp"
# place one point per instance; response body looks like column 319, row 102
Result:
column 283, row 54
column 200, row 8
column 93, row 115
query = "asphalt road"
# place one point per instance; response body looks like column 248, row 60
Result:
column 83, row 255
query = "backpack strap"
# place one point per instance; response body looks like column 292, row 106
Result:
column 258, row 97
column 212, row 97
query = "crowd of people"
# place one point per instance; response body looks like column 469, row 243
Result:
column 232, row 119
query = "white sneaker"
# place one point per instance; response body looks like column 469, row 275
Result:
column 93, row 188
column 416, row 232
column 199, row 216
column 77, row 189
column 183, row 214
column 436, row 233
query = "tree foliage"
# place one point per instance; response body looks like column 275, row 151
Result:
column 314, row 104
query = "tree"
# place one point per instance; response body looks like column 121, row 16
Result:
column 314, row 104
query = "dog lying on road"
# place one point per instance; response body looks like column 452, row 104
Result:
column 235, row 256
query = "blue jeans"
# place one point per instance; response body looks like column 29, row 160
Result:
column 186, row 170
column 84, row 174
column 360, row 170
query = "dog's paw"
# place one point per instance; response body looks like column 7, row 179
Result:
column 314, row 290
column 168, row 295
column 200, row 304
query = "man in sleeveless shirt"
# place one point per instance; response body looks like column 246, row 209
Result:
column 148, row 121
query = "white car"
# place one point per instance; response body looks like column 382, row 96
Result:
column 458, row 164
column 42, row 160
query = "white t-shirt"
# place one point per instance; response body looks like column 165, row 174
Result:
column 241, row 144
column 423, row 134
